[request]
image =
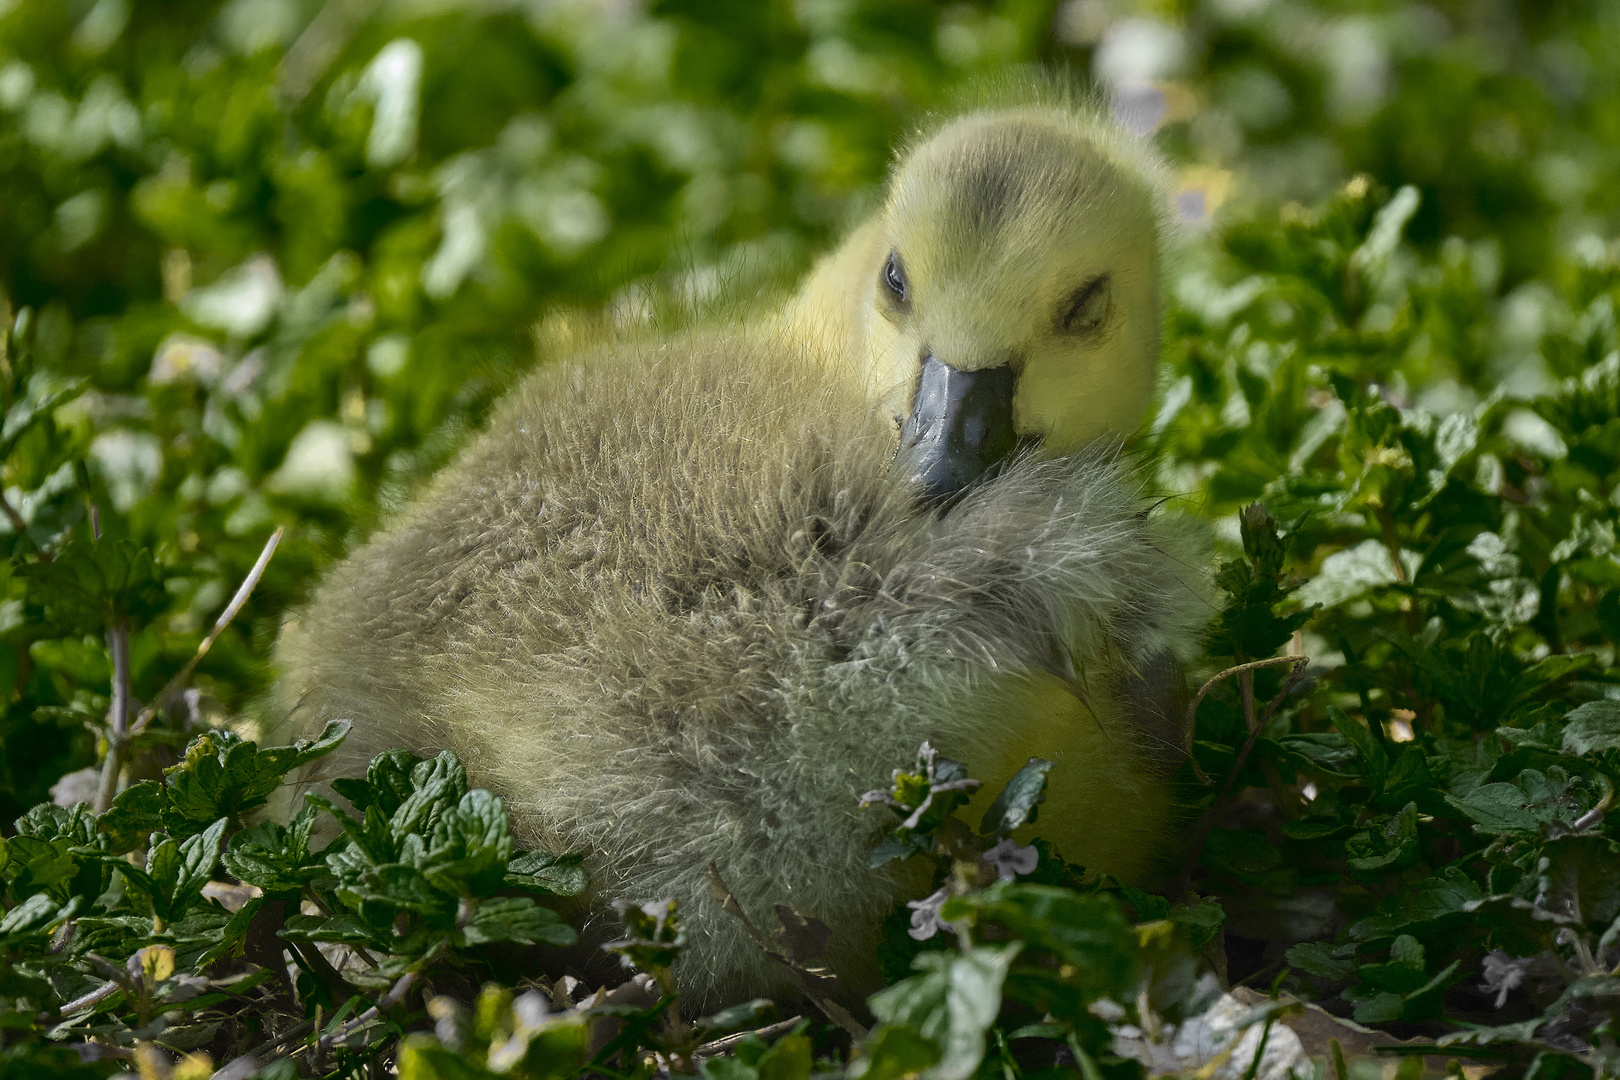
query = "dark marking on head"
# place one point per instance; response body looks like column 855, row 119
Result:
column 1007, row 169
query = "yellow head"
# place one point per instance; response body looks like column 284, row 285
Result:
column 1013, row 295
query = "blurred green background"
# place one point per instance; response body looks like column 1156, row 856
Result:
column 291, row 250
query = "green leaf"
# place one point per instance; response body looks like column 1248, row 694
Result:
column 1390, row 842
column 387, row 783
column 1580, row 877
column 1087, row 933
column 343, row 929
column 1592, row 728
column 1019, row 801
column 422, row 1058
column 439, row 785
column 547, row 874
column 1368, row 746
column 274, row 858
column 1501, row 808
column 516, row 918
column 135, row 813
column 951, row 1004
column 1405, row 970
column 232, row 938
column 223, row 775
column 788, row 1059
column 34, row 915
column 1316, row 958
column 470, row 845
column 894, row 1051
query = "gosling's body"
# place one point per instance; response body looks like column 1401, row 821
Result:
column 681, row 601
column 673, row 606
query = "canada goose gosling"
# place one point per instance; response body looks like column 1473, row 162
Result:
column 1005, row 295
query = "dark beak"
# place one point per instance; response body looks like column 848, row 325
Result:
column 961, row 424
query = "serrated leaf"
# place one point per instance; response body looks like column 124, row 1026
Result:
column 387, row 783
column 545, row 873
column 516, row 918
column 274, row 858
column 32, row 915
column 135, row 813
column 1369, row 747
column 470, row 845
column 223, row 775
column 1088, row 933
column 1593, row 728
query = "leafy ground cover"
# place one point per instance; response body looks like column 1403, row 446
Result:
column 263, row 264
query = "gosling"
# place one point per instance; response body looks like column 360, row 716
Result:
column 677, row 604
column 1003, row 300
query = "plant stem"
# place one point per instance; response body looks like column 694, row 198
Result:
column 117, row 717
column 833, row 1011
column 16, row 519
column 243, row 591
column 1203, row 691
column 1256, row 727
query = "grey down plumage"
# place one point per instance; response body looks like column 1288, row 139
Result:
column 673, row 606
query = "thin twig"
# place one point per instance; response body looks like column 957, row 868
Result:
column 117, row 717
column 395, row 995
column 728, row 903
column 1208, row 822
column 291, row 1033
column 1192, row 708
column 720, row 1046
column 12, row 516
column 1595, row 815
column 94, row 997
column 182, row 676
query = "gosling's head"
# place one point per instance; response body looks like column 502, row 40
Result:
column 1016, row 303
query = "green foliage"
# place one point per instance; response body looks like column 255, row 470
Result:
column 128, row 946
column 1449, row 575
column 264, row 263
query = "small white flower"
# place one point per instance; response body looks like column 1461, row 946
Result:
column 1503, row 975
column 1010, row 860
column 925, row 915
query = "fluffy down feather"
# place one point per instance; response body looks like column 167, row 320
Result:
column 673, row 607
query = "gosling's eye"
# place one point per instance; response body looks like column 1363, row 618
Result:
column 1087, row 309
column 894, row 277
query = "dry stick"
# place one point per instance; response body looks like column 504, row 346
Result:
column 721, row 1045
column 184, row 674
column 1259, row 725
column 729, row 904
column 94, row 997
